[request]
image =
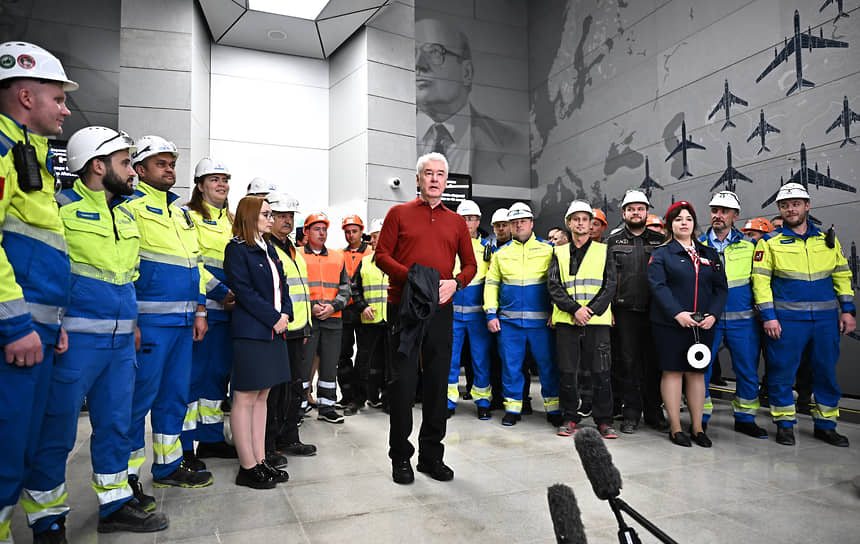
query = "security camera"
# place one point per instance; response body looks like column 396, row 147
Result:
column 394, row 183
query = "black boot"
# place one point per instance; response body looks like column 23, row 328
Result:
column 132, row 518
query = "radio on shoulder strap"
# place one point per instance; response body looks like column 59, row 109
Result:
column 27, row 165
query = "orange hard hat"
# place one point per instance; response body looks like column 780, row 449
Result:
column 653, row 220
column 600, row 216
column 758, row 223
column 352, row 220
column 316, row 217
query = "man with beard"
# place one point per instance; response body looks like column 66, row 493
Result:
column 171, row 316
column 100, row 321
column 635, row 377
column 802, row 286
column 737, row 326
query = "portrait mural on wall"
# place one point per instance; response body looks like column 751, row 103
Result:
column 450, row 116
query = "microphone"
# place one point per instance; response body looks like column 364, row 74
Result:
column 597, row 463
column 606, row 483
column 566, row 518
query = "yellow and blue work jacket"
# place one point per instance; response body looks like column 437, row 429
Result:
column 168, row 287
column 737, row 260
column 374, row 291
column 212, row 237
column 799, row 278
column 468, row 302
column 103, row 249
column 515, row 289
column 296, row 278
column 34, row 257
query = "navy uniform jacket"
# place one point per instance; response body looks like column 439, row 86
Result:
column 674, row 288
column 250, row 277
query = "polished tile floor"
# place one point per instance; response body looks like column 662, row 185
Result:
column 741, row 490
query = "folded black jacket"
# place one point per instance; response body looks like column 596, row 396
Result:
column 417, row 307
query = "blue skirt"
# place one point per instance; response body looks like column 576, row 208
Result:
column 259, row 364
column 672, row 343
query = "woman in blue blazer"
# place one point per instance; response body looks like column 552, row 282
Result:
column 689, row 290
column 263, row 310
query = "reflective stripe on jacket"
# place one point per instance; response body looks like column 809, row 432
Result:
column 326, row 273
column 468, row 302
column 212, row 237
column 737, row 260
column 296, row 276
column 515, row 289
column 374, row 287
column 583, row 286
column 34, row 259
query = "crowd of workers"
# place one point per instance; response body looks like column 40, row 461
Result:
column 120, row 295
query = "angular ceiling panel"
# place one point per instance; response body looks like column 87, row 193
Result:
column 220, row 14
column 336, row 8
column 276, row 33
column 333, row 32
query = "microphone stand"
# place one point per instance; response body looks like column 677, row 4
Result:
column 626, row 534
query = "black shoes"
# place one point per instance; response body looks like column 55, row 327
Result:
column 147, row 502
column 785, row 435
column 628, row 426
column 484, row 413
column 132, row 518
column 330, row 416
column 831, row 437
column 184, row 477
column 256, row 478
column 556, row 419
column 221, row 450
column 437, row 470
column 55, row 535
column 510, row 419
column 298, row 448
column 279, row 476
column 451, row 412
column 276, row 459
column 401, row 472
column 749, row 428
column 527, row 409
column 192, row 462
column 701, row 439
column 680, row 439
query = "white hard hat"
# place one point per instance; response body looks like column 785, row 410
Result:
column 375, row 226
column 148, row 146
column 260, row 185
column 92, row 142
column 792, row 190
column 726, row 199
column 578, row 206
column 520, row 210
column 469, row 207
column 208, row 166
column 499, row 216
column 283, row 202
column 22, row 59
column 635, row 196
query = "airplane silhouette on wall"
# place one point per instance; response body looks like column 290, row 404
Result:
column 730, row 174
column 840, row 13
column 794, row 47
column 648, row 184
column 726, row 103
column 845, row 119
column 761, row 130
column 683, row 144
column 806, row 176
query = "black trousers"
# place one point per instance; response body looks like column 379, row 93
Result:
column 347, row 374
column 284, row 403
column 636, row 373
column 370, row 362
column 435, row 355
column 584, row 348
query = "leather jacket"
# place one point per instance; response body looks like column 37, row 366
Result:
column 631, row 255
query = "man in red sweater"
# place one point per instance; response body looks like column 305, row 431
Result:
column 423, row 231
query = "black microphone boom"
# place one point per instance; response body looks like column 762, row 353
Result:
column 566, row 518
column 597, row 463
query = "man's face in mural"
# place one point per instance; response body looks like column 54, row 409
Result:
column 635, row 215
column 443, row 69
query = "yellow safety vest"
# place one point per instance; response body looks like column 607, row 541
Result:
column 296, row 276
column 212, row 237
column 374, row 283
column 585, row 284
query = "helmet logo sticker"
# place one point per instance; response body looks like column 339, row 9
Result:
column 7, row 61
column 26, row 62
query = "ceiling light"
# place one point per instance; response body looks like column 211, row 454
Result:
column 276, row 35
column 301, row 9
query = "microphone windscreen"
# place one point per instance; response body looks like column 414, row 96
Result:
column 597, row 463
column 566, row 518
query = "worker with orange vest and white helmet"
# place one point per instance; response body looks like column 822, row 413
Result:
column 328, row 283
column 347, row 376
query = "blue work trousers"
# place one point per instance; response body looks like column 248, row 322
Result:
column 211, row 362
column 513, row 341
column 479, row 348
column 741, row 337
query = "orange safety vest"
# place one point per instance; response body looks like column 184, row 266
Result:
column 324, row 276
